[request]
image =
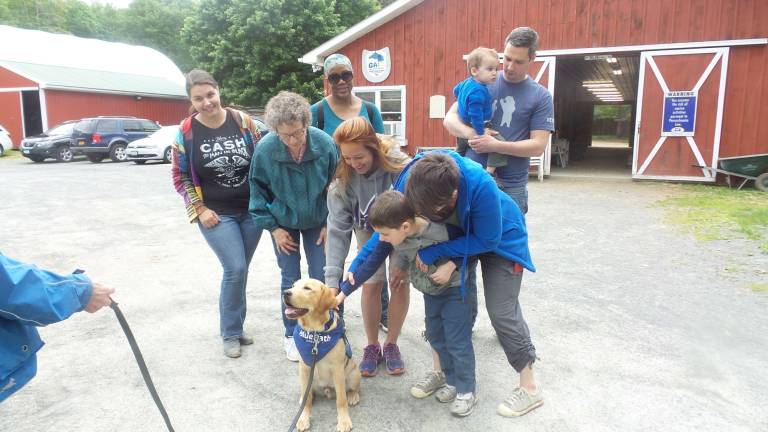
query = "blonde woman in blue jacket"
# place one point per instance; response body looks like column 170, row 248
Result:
column 31, row 298
column 290, row 172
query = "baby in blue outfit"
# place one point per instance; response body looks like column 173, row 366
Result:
column 475, row 100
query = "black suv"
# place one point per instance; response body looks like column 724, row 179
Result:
column 99, row 137
column 53, row 143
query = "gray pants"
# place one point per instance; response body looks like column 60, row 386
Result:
column 501, row 285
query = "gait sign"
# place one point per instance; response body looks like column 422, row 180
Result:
column 377, row 65
column 679, row 115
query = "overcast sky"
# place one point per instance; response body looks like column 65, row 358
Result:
column 115, row 3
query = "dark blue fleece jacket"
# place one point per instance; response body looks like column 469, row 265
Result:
column 489, row 218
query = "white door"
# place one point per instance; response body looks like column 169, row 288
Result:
column 679, row 114
column 543, row 72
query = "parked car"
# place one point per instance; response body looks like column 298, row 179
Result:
column 154, row 147
column 5, row 140
column 54, row 143
column 99, row 137
column 260, row 124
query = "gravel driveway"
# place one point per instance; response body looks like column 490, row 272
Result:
column 638, row 327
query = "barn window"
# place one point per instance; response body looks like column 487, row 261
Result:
column 391, row 102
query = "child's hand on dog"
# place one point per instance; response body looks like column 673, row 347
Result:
column 340, row 299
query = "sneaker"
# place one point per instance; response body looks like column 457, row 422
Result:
column 384, row 324
column 464, row 404
column 245, row 339
column 232, row 348
column 446, row 394
column 521, row 402
column 431, row 382
column 291, row 353
column 369, row 367
column 395, row 364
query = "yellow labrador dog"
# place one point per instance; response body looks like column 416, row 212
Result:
column 311, row 303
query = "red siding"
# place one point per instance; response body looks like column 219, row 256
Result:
column 9, row 79
column 10, row 115
column 66, row 105
column 428, row 41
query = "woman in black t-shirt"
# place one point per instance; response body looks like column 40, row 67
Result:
column 211, row 160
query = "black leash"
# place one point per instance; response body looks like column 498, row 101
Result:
column 309, row 384
column 142, row 364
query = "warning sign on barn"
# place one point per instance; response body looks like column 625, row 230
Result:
column 679, row 118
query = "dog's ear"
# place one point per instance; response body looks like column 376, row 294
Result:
column 327, row 299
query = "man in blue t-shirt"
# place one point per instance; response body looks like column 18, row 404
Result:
column 523, row 114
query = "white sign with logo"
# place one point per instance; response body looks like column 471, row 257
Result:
column 377, row 65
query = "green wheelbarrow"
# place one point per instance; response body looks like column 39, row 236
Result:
column 750, row 167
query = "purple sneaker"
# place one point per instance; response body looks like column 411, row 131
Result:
column 395, row 364
column 369, row 367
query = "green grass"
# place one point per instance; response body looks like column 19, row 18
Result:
column 11, row 154
column 606, row 138
column 758, row 287
column 719, row 213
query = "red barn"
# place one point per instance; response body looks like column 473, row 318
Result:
column 48, row 78
column 692, row 73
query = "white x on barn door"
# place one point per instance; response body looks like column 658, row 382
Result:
column 679, row 113
column 543, row 72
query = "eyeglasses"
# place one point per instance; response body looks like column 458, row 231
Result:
column 345, row 76
column 298, row 134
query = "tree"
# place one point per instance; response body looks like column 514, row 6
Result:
column 252, row 47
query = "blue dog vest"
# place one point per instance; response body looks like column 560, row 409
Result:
column 305, row 340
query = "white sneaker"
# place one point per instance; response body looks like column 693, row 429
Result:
column 291, row 353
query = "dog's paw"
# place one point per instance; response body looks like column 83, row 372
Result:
column 303, row 424
column 344, row 425
column 353, row 398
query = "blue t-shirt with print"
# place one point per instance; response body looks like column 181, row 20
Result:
column 518, row 108
column 331, row 121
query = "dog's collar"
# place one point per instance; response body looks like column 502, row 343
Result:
column 329, row 324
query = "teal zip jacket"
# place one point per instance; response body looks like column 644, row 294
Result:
column 31, row 298
column 286, row 194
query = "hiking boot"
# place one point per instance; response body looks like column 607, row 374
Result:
column 395, row 364
column 520, row 403
column 245, row 339
column 369, row 366
column 464, row 404
column 446, row 394
column 291, row 352
column 429, row 384
column 232, row 348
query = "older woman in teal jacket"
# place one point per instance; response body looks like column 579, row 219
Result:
column 290, row 172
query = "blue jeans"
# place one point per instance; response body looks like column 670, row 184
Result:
column 233, row 240
column 449, row 332
column 290, row 265
column 519, row 195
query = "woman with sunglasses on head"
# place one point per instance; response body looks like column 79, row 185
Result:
column 327, row 114
column 290, row 173
column 341, row 104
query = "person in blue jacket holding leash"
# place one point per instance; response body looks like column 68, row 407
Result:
column 31, row 298
column 483, row 224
